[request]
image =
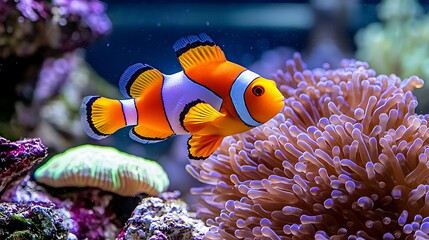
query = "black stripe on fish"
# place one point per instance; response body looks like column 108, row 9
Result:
column 89, row 114
column 186, row 109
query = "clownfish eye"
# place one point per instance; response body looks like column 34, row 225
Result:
column 258, row 90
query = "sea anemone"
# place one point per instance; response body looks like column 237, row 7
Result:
column 347, row 158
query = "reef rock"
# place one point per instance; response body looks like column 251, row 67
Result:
column 31, row 221
column 87, row 213
column 161, row 218
column 16, row 159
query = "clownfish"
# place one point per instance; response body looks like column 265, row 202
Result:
column 210, row 99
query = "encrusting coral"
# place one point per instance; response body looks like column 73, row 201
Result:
column 105, row 168
column 31, row 221
column 347, row 158
column 17, row 158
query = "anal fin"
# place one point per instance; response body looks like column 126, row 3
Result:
column 202, row 146
column 145, row 135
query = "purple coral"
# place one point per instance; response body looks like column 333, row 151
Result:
column 89, row 12
column 32, row 31
column 16, row 159
column 53, row 75
column 28, row 27
column 32, row 10
column 346, row 159
column 92, row 217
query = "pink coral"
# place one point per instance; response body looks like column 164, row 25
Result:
column 347, row 158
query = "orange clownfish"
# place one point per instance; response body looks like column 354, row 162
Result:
column 210, row 99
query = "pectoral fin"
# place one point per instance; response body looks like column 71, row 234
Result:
column 202, row 146
column 199, row 116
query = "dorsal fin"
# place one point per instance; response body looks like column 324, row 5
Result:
column 137, row 78
column 197, row 49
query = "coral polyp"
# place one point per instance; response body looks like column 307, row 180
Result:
column 105, row 168
column 346, row 159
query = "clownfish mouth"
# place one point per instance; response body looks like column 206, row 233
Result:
column 279, row 102
column 279, row 99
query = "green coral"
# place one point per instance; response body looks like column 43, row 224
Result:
column 105, row 168
column 398, row 44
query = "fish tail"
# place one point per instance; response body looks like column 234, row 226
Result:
column 101, row 116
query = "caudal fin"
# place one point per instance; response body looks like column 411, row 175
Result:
column 101, row 116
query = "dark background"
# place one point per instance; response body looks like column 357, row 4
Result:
column 144, row 31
